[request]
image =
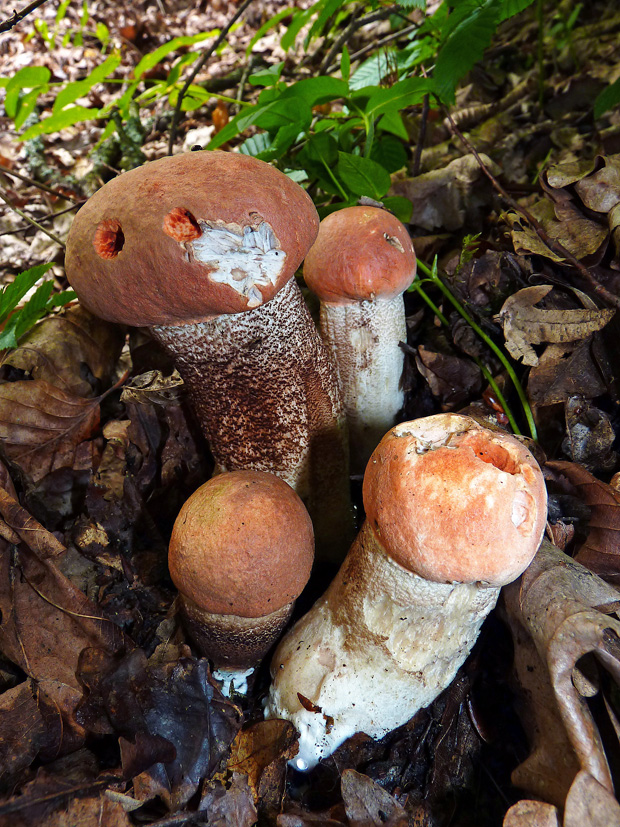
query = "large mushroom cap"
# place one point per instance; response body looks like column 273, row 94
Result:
column 359, row 254
column 454, row 501
column 242, row 545
column 189, row 236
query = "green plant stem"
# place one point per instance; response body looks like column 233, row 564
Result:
column 499, row 395
column 489, row 342
column 417, row 285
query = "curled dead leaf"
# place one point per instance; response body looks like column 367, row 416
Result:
column 525, row 325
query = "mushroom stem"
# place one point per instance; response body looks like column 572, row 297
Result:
column 267, row 398
column 365, row 340
column 379, row 632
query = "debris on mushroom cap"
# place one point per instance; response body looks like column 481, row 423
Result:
column 189, row 236
column 427, row 478
column 242, row 545
column 360, row 253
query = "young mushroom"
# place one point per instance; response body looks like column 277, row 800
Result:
column 359, row 266
column 240, row 554
column 453, row 512
column 202, row 248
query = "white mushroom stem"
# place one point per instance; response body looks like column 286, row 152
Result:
column 364, row 338
column 381, row 644
column 266, row 394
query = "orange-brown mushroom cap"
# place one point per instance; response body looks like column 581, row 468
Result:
column 360, row 253
column 242, row 544
column 454, row 501
column 134, row 255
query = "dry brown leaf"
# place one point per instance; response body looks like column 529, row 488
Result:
column 260, row 745
column 601, row 550
column 369, row 805
column 557, row 600
column 600, row 191
column 43, row 429
column 450, row 378
column 564, row 370
column 526, row 325
column 589, row 803
column 231, row 806
column 532, row 814
column 66, row 349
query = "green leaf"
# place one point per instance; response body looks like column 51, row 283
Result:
column 607, row 99
column 412, row 4
column 79, row 88
column 321, row 148
column 345, row 63
column 330, row 7
column 390, row 153
column 511, row 7
column 26, row 107
column 153, row 58
column 405, row 93
column 314, row 91
column 270, row 24
column 464, row 47
column 363, row 176
column 267, row 77
column 400, row 206
column 61, row 120
column 393, row 122
column 13, row 293
column 34, row 78
column 23, row 319
column 300, row 18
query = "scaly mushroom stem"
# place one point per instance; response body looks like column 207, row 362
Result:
column 266, row 395
column 365, row 338
column 379, row 645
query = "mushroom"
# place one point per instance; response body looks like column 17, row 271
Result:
column 240, row 554
column 454, row 511
column 202, row 249
column 359, row 266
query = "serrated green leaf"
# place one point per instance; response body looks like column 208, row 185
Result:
column 363, row 176
column 393, row 122
column 152, row 59
column 464, row 47
column 322, row 148
column 255, row 144
column 61, row 299
column 314, row 91
column 22, row 320
column 13, row 293
column 412, row 4
column 607, row 99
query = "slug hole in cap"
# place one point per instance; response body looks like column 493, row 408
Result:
column 109, row 238
column 181, row 225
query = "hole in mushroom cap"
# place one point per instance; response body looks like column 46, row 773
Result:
column 109, row 238
column 488, row 451
column 181, row 225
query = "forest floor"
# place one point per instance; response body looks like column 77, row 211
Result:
column 119, row 722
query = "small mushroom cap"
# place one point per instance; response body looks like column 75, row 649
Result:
column 242, row 545
column 455, row 502
column 360, row 253
column 189, row 236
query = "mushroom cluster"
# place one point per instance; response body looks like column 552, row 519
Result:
column 202, row 248
column 240, row 554
column 454, row 511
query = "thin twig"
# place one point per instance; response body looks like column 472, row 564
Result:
column 44, row 187
column 417, row 157
column 32, row 221
column 14, row 19
column 220, row 39
column 370, row 47
column 355, row 24
column 49, row 217
column 551, row 243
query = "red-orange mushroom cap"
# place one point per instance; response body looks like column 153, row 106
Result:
column 360, row 253
column 455, row 502
column 242, row 545
column 188, row 236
